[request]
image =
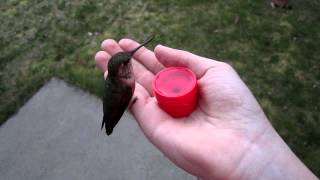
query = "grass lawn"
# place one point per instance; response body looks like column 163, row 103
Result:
column 275, row 51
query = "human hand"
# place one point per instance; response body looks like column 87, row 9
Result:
column 226, row 137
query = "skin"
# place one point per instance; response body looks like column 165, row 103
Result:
column 228, row 135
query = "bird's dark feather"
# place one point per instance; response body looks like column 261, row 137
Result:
column 116, row 100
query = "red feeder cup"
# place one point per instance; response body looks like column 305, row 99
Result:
column 176, row 91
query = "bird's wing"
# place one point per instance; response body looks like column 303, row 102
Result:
column 116, row 100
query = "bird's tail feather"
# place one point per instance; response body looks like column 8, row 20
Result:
column 104, row 124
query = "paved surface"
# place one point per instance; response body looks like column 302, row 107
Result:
column 56, row 135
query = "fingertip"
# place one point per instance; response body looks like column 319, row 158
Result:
column 126, row 43
column 101, row 55
column 105, row 74
column 101, row 58
column 166, row 55
column 109, row 45
column 157, row 50
column 158, row 46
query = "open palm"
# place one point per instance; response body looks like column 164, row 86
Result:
column 218, row 138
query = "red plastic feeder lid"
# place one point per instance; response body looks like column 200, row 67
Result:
column 176, row 90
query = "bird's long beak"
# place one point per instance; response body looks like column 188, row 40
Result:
column 137, row 48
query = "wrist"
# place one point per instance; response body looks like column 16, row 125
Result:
column 270, row 158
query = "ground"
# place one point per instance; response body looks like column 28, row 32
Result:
column 47, row 140
column 275, row 51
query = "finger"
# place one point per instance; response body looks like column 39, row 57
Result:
column 105, row 74
column 143, row 76
column 110, row 46
column 143, row 55
column 174, row 57
column 101, row 59
column 146, row 111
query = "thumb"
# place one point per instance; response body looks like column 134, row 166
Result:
column 174, row 57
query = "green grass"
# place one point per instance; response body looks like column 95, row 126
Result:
column 275, row 51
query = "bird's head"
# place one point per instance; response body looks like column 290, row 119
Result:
column 119, row 63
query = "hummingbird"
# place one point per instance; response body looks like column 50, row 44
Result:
column 119, row 88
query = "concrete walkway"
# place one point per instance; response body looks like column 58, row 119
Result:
column 56, row 135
